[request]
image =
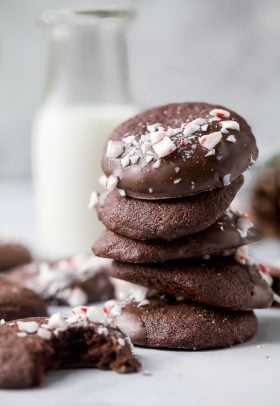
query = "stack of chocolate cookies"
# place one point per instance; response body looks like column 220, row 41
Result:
column 171, row 174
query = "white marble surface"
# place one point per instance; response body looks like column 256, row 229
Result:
column 246, row 374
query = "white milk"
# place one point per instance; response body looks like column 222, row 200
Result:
column 67, row 147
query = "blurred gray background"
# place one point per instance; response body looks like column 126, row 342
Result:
column 220, row 50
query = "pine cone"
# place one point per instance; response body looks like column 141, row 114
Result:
column 266, row 198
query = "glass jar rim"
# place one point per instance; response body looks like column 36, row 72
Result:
column 86, row 16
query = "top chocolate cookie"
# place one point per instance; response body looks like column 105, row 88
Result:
column 178, row 150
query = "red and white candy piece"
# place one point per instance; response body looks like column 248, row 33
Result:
column 96, row 315
column 241, row 255
column 114, row 149
column 111, row 182
column 164, row 147
column 209, row 141
column 220, row 113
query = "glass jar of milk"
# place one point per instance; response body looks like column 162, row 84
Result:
column 86, row 96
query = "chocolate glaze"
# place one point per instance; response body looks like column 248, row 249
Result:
column 197, row 172
column 220, row 237
column 185, row 325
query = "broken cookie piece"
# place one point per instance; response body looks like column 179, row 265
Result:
column 30, row 347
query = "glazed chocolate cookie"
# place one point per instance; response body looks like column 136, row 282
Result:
column 73, row 281
column 232, row 230
column 168, row 219
column 18, row 302
column 30, row 347
column 12, row 254
column 219, row 281
column 184, row 325
column 178, row 150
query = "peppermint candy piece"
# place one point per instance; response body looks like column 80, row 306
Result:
column 231, row 138
column 220, row 113
column 244, row 223
column 226, row 179
column 93, row 200
column 157, row 136
column 114, row 149
column 164, row 147
column 229, row 125
column 209, row 141
column 44, row 333
column 96, row 315
column 28, row 326
column 111, row 182
column 190, row 129
column 56, row 322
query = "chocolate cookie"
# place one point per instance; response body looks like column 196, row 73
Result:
column 74, row 281
column 184, row 325
column 232, row 230
column 221, row 282
column 12, row 254
column 18, row 302
column 30, row 347
column 178, row 150
column 168, row 219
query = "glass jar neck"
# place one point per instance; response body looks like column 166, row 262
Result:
column 88, row 63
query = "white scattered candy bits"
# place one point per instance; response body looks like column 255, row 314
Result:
column 226, row 179
column 244, row 223
column 231, row 138
column 164, row 147
column 93, row 200
column 229, row 125
column 28, row 326
column 209, row 141
column 220, row 113
column 114, row 149
column 56, row 322
column 96, row 315
column 157, row 136
column 111, row 182
column 44, row 333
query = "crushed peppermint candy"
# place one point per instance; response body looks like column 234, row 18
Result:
column 111, row 182
column 93, row 200
column 209, row 141
column 114, row 149
column 229, row 125
column 220, row 113
column 176, row 181
column 122, row 192
column 226, row 179
column 244, row 223
column 44, row 333
column 2, row 322
column 164, row 147
column 158, row 141
column 28, row 326
column 231, row 138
